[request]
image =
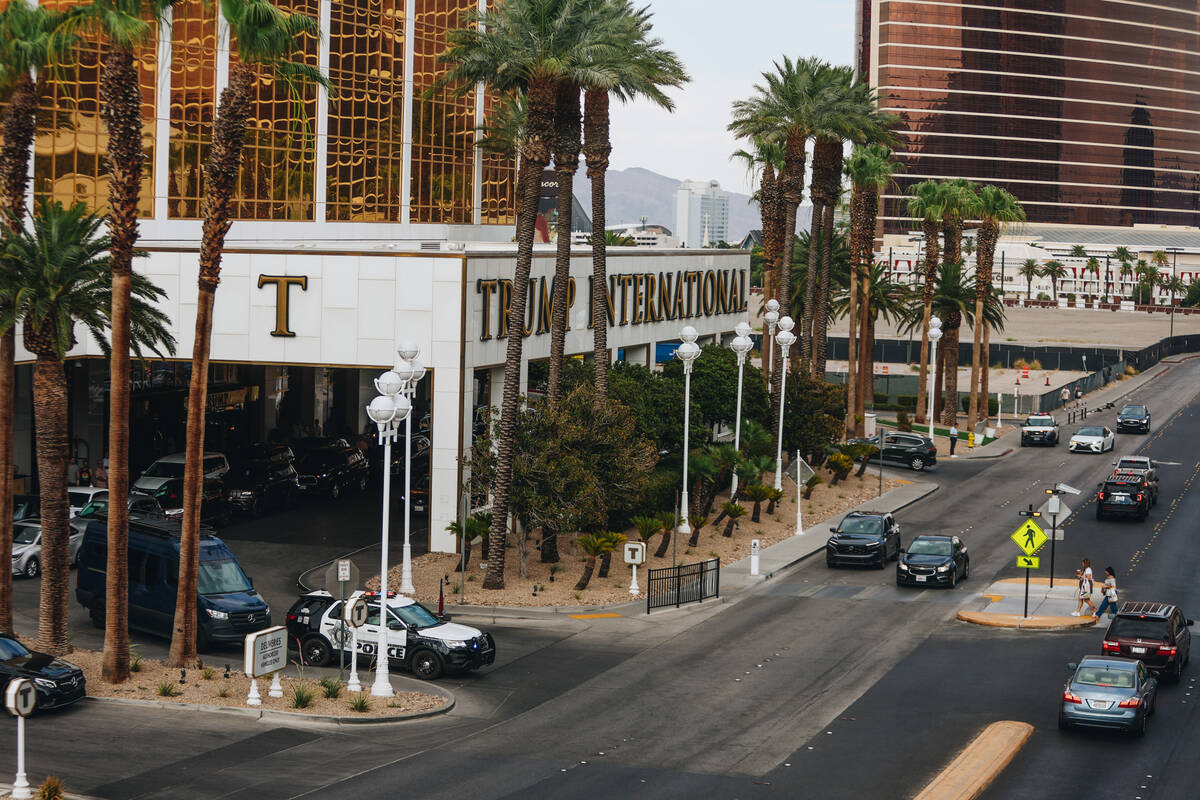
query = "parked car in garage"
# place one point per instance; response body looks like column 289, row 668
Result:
column 215, row 508
column 256, row 487
column 170, row 467
column 140, row 505
column 330, row 471
column 27, row 548
column 80, row 496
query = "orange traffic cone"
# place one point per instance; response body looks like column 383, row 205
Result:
column 1047, row 378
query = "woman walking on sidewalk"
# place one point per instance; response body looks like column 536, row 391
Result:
column 1110, row 594
column 1085, row 589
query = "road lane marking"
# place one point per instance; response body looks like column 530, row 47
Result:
column 974, row 769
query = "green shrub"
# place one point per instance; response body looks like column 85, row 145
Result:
column 903, row 421
column 332, row 687
column 168, row 688
column 881, row 398
column 1070, row 297
column 840, row 465
column 207, row 673
column 907, row 400
column 1043, row 296
column 360, row 703
column 302, row 695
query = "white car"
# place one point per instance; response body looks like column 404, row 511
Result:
column 27, row 548
column 1093, row 439
column 80, row 496
column 168, row 467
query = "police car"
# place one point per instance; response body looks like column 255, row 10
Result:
column 418, row 640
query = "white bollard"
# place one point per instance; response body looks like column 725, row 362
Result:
column 754, row 546
column 21, row 787
column 633, row 585
column 276, row 689
column 254, row 698
column 353, row 684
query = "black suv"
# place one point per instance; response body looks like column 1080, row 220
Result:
column 258, row 486
column 864, row 537
column 1155, row 633
column 215, row 509
column 330, row 471
column 1125, row 494
column 911, row 449
column 1133, row 417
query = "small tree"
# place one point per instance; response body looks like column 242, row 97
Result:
column 647, row 525
column 733, row 512
column 776, row 496
column 616, row 540
column 757, row 493
column 592, row 546
column 666, row 526
column 840, row 465
column 474, row 527
column 698, row 524
column 810, row 484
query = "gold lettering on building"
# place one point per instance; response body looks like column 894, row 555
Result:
column 282, row 283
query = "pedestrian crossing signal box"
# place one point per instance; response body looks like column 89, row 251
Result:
column 635, row 552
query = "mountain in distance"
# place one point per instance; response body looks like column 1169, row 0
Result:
column 636, row 192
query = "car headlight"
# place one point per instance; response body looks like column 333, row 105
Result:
column 455, row 643
column 267, row 611
column 944, row 568
column 903, row 566
column 245, row 494
column 216, row 614
column 874, row 544
column 45, row 683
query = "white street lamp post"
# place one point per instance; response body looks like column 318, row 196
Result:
column 409, row 352
column 935, row 333
column 786, row 338
column 687, row 353
column 385, row 411
column 740, row 345
column 771, row 318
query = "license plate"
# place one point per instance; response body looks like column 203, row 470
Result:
column 921, row 578
column 1138, row 650
column 1120, row 498
column 1100, row 704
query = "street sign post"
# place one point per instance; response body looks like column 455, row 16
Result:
column 635, row 553
column 1028, row 562
column 799, row 471
column 1029, row 538
column 341, row 581
column 1056, row 509
column 265, row 654
column 20, row 698
column 354, row 614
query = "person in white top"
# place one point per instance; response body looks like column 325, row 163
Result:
column 953, row 439
column 1085, row 589
column 1110, row 594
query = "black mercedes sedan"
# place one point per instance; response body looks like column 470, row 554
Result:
column 1133, row 417
column 933, row 560
column 59, row 683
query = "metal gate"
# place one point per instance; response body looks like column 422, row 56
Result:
column 686, row 583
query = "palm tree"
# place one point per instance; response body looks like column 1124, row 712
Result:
column 1055, row 271
column 870, row 170
column 592, row 545
column 474, row 527
column 1029, row 270
column 881, row 297
column 56, row 274
column 733, row 512
column 960, row 202
column 1093, row 266
column 926, row 204
column 764, row 162
column 1078, row 251
column 530, row 47
column 1126, row 259
column 265, row 37
column 124, row 25
column 641, row 68
column 566, row 163
column 31, row 38
column 997, row 208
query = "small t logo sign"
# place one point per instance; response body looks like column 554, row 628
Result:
column 282, row 283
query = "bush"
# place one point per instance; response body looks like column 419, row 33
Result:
column 1042, row 296
column 993, row 405
column 907, row 400
column 332, row 687
column 881, row 399
column 168, row 688
column 1143, row 295
column 1070, row 297
column 840, row 465
column 51, row 789
column 302, row 695
column 360, row 703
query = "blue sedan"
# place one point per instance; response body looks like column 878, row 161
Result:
column 1109, row 692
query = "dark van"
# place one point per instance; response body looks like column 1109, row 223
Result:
column 229, row 607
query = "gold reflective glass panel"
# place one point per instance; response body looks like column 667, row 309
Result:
column 279, row 162
column 443, row 130
column 366, row 111
column 193, row 93
column 70, row 162
column 498, row 186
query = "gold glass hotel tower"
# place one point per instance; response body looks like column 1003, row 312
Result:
column 1088, row 111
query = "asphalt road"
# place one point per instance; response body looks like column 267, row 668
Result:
column 820, row 683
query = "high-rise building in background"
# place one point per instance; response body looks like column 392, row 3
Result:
column 701, row 213
column 1085, row 110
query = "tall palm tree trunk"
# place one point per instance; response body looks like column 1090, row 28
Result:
column 50, row 424
column 121, row 108
column 984, row 373
column 950, row 404
column 811, row 281
column 539, row 134
column 17, row 130
column 929, row 229
column 771, row 205
column 983, row 285
column 225, row 160
column 597, row 147
column 852, row 335
column 821, row 318
column 566, row 162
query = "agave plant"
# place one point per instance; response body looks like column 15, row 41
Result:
column 757, row 493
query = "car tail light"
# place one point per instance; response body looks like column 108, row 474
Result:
column 1068, row 697
column 1100, row 496
column 291, row 617
column 1139, row 497
column 1111, row 647
column 1132, row 702
column 1166, row 650
column 932, row 450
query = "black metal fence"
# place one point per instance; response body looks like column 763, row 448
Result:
column 686, row 583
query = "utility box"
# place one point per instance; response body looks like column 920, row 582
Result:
column 869, row 425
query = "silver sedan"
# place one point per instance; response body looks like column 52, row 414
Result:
column 1093, row 439
column 27, row 548
column 1109, row 692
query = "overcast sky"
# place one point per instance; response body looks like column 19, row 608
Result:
column 725, row 47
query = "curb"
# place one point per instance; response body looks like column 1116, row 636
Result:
column 989, row 455
column 1017, row 622
column 291, row 717
column 980, row 763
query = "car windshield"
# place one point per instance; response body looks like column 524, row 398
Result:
column 164, row 469
column 78, row 498
column 416, row 615
column 93, row 508
column 1133, row 411
column 928, row 547
column 1137, row 628
column 1132, row 463
column 1040, row 422
column 24, row 534
column 11, row 648
column 1099, row 675
column 1090, row 430
column 222, row 576
column 861, row 525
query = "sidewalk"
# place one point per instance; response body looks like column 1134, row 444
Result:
column 1049, row 609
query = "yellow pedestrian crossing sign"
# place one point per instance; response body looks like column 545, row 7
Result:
column 1028, row 562
column 1029, row 537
